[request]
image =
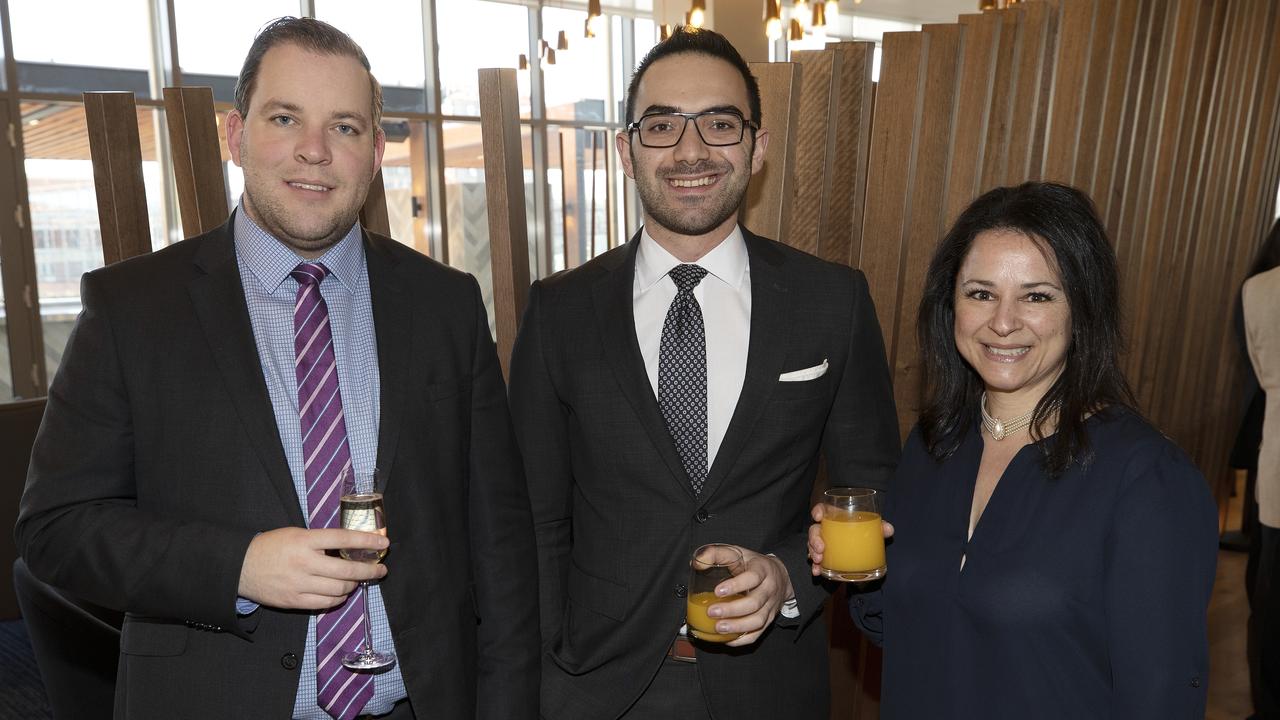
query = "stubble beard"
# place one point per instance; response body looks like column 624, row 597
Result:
column 680, row 220
column 284, row 223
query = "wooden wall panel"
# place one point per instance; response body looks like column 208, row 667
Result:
column 1150, row 276
column 504, row 191
column 815, row 147
column 925, row 212
column 1112, row 140
column 894, row 134
column 995, row 159
column 1173, row 350
column 116, row 154
column 1033, row 63
column 1134, row 208
column 977, row 71
column 197, row 158
column 1095, row 85
column 373, row 214
column 770, row 196
column 1071, row 67
column 1235, row 236
column 842, row 225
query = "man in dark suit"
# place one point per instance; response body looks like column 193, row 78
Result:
column 210, row 400
column 679, row 391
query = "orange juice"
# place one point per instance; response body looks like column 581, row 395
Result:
column 854, row 541
column 703, row 626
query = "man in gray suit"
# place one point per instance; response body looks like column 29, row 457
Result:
column 1261, row 300
column 682, row 390
column 213, row 394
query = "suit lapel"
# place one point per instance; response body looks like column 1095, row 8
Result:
column 218, row 298
column 392, row 319
column 615, row 320
column 766, row 353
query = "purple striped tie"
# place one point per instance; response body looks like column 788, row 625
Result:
column 326, row 454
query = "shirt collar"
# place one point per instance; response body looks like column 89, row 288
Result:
column 271, row 261
column 726, row 261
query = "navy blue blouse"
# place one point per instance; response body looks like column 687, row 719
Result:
column 1081, row 597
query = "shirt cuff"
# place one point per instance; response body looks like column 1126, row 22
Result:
column 249, row 607
column 790, row 609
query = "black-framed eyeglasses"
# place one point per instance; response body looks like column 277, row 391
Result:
column 717, row 128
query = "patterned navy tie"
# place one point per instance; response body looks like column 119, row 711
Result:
column 682, row 374
column 326, row 455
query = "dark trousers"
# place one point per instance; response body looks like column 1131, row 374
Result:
column 1263, row 578
column 674, row 694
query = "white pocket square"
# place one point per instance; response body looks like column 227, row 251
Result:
column 812, row 373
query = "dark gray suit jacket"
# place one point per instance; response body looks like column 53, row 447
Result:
column 159, row 460
column 615, row 516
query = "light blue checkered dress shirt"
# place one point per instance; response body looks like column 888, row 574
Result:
column 270, row 292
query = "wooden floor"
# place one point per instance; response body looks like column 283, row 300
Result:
column 1228, row 617
column 1228, row 613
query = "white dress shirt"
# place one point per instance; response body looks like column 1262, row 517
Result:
column 725, row 298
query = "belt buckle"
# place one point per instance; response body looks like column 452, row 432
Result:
column 681, row 649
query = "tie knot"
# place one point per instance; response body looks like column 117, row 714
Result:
column 687, row 277
column 309, row 273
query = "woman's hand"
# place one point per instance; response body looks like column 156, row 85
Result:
column 816, row 546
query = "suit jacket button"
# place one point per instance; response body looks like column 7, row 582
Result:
column 1195, row 682
column 702, row 515
column 681, row 591
column 288, row 661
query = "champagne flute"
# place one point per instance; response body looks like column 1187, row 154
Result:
column 362, row 510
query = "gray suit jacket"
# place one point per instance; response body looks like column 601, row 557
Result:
column 615, row 516
column 1261, row 301
column 159, row 460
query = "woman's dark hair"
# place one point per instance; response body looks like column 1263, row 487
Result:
column 704, row 42
column 1063, row 222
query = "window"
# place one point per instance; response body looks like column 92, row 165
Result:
column 64, row 209
column 506, row 38
column 391, row 36
column 578, row 84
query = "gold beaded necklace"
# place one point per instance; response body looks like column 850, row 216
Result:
column 998, row 429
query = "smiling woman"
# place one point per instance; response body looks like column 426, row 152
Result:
column 1053, row 554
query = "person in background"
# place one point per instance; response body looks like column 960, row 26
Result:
column 213, row 394
column 1260, row 299
column 1053, row 554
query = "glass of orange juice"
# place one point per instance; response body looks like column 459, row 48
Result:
column 711, row 565
column 852, row 535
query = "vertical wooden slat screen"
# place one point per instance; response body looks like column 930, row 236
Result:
column 1125, row 47
column 894, row 133
column 995, row 151
column 842, row 226
column 770, row 196
column 116, row 154
column 1075, row 35
column 373, row 214
column 1033, row 64
column 504, row 191
column 197, row 158
column 814, row 148
column 977, row 71
column 924, row 218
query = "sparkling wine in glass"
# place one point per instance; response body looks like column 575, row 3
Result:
column 362, row 510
